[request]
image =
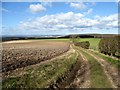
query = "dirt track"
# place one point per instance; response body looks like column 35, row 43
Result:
column 82, row 78
column 110, row 71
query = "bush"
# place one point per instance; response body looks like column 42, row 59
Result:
column 84, row 44
column 117, row 45
column 108, row 45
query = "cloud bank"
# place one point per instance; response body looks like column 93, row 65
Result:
column 69, row 22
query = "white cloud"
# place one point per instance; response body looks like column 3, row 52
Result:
column 51, row 22
column 35, row 8
column 79, row 6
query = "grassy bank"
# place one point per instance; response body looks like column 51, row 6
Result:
column 111, row 60
column 43, row 75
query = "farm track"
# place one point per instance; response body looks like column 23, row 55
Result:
column 86, row 83
column 110, row 71
column 82, row 79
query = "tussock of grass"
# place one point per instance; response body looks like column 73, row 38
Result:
column 43, row 75
column 97, row 75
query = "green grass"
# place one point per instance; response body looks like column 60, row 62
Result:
column 43, row 75
column 107, row 58
column 93, row 42
column 97, row 75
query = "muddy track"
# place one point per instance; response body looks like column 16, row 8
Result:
column 86, row 83
column 110, row 71
column 82, row 77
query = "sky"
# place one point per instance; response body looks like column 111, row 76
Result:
column 59, row 18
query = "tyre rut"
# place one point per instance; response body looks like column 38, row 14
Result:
column 82, row 78
column 110, row 71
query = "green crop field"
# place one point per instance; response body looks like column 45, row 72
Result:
column 93, row 42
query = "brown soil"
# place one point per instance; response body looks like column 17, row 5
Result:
column 22, row 71
column 18, row 55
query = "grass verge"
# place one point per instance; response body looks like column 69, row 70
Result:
column 113, row 61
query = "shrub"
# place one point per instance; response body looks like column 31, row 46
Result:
column 84, row 44
column 108, row 45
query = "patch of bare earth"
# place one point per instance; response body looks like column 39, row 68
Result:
column 110, row 71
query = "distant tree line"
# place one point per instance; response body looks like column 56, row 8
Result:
column 109, row 46
column 84, row 44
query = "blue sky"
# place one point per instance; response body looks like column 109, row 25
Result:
column 36, row 18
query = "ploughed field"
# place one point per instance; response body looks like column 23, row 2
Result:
column 17, row 54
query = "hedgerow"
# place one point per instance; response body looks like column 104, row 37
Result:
column 109, row 45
